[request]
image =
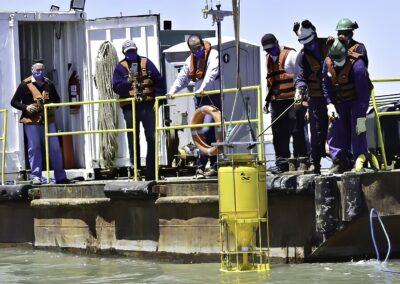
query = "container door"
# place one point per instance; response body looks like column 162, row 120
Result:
column 144, row 31
column 10, row 78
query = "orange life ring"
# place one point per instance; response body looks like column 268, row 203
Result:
column 198, row 138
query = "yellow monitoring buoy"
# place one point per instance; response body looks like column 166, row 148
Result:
column 243, row 215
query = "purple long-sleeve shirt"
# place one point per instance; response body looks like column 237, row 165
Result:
column 358, row 75
column 121, row 85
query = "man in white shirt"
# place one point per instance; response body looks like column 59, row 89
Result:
column 201, row 68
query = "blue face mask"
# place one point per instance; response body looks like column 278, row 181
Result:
column 311, row 45
column 38, row 75
column 131, row 55
column 274, row 51
column 199, row 53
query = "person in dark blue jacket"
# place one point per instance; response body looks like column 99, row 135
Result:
column 347, row 91
column 308, row 84
column 137, row 76
column 30, row 96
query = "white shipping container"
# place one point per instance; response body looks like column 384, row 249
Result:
column 61, row 38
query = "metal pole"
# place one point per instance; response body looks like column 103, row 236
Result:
column 220, row 73
column 135, row 165
column 46, row 142
column 3, row 158
column 157, row 139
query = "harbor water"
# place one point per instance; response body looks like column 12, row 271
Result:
column 33, row 266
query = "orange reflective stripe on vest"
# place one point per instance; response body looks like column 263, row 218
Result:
column 279, row 82
column 344, row 89
column 198, row 72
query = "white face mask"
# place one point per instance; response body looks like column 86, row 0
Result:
column 339, row 63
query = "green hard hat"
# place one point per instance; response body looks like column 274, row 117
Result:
column 337, row 51
column 345, row 24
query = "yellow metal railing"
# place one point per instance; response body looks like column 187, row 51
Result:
column 258, row 120
column 47, row 134
column 378, row 115
column 4, row 139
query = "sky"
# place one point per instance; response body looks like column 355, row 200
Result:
column 377, row 20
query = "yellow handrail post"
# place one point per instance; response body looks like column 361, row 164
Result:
column 260, row 123
column 378, row 115
column 46, row 138
column 378, row 125
column 4, row 138
column 135, row 166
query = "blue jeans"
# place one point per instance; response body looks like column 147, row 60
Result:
column 35, row 137
column 146, row 115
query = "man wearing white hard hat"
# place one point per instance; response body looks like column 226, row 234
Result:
column 308, row 84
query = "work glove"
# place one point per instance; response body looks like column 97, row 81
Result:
column 169, row 96
column 32, row 108
column 298, row 98
column 332, row 113
column 330, row 40
column 199, row 94
column 130, row 79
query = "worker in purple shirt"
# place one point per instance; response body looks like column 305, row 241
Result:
column 136, row 76
column 347, row 92
column 308, row 84
column 345, row 28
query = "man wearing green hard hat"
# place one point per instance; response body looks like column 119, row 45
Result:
column 346, row 88
column 345, row 28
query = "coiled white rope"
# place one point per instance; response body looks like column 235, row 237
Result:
column 106, row 61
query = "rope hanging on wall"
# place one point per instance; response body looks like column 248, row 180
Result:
column 106, row 61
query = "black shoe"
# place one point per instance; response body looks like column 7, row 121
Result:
column 150, row 178
column 199, row 174
column 304, row 164
column 212, row 173
column 314, row 169
column 276, row 170
column 339, row 167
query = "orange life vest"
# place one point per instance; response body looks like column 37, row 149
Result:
column 39, row 100
column 144, row 87
column 315, row 77
column 344, row 89
column 280, row 84
column 198, row 72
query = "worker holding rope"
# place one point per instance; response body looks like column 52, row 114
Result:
column 201, row 69
column 281, row 62
column 137, row 76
